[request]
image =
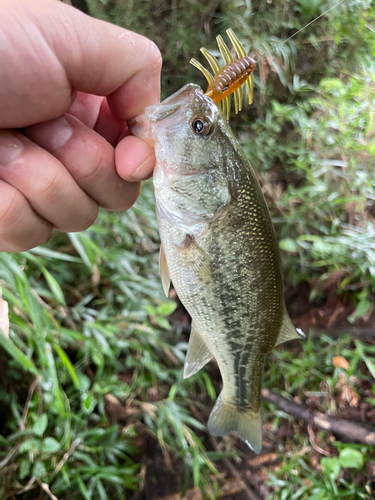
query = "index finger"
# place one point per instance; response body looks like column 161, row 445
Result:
column 70, row 51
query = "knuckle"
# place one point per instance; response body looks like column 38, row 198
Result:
column 101, row 158
column 49, row 187
column 10, row 208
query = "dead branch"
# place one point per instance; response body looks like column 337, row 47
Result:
column 262, row 460
column 348, row 431
column 361, row 333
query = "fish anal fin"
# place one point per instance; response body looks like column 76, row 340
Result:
column 288, row 331
column 164, row 271
column 198, row 354
column 226, row 418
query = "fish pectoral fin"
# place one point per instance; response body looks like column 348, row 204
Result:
column 288, row 331
column 164, row 271
column 197, row 355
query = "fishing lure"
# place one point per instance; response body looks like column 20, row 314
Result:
column 229, row 78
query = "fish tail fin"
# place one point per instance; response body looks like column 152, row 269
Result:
column 226, row 418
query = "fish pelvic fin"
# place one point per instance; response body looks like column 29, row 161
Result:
column 288, row 331
column 198, row 354
column 164, row 271
column 226, row 418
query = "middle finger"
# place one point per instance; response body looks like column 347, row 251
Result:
column 90, row 159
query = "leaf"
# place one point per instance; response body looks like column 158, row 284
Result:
column 370, row 365
column 56, row 388
column 83, row 488
column 68, row 365
column 351, row 458
column 38, row 470
column 88, row 402
column 50, row 445
column 166, row 309
column 54, row 287
column 17, row 355
column 30, row 445
column 163, row 322
column 331, row 467
column 46, row 252
column 172, row 392
column 310, row 8
column 24, row 469
column 288, row 245
column 74, row 238
column 362, row 308
column 4, row 318
column 340, row 362
column 40, row 425
column 209, row 386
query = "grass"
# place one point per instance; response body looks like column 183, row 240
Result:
column 92, row 394
column 89, row 319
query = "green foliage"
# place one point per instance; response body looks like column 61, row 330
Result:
column 84, row 309
column 89, row 320
column 300, row 480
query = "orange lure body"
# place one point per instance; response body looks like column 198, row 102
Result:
column 228, row 79
column 231, row 78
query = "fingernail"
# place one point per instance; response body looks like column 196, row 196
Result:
column 144, row 170
column 10, row 147
column 53, row 134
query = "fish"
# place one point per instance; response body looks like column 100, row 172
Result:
column 219, row 250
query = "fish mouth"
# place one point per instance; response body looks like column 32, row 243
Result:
column 141, row 126
column 169, row 106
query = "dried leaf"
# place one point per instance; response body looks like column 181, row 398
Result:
column 340, row 362
column 348, row 394
column 4, row 318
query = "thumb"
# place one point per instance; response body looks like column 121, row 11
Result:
column 49, row 50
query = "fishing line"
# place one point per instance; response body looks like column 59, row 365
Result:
column 304, row 27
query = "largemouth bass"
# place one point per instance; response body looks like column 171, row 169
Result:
column 220, row 252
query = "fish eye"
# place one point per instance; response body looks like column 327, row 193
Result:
column 200, row 125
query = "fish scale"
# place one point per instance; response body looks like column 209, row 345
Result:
column 219, row 251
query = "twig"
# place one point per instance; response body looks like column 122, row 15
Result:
column 356, row 332
column 10, row 455
column 313, row 443
column 29, row 486
column 45, row 487
column 262, row 460
column 65, row 457
column 28, row 401
column 348, row 431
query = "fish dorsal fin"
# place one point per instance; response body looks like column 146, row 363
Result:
column 198, row 354
column 164, row 271
column 288, row 331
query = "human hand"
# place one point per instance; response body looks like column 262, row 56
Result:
column 71, row 82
